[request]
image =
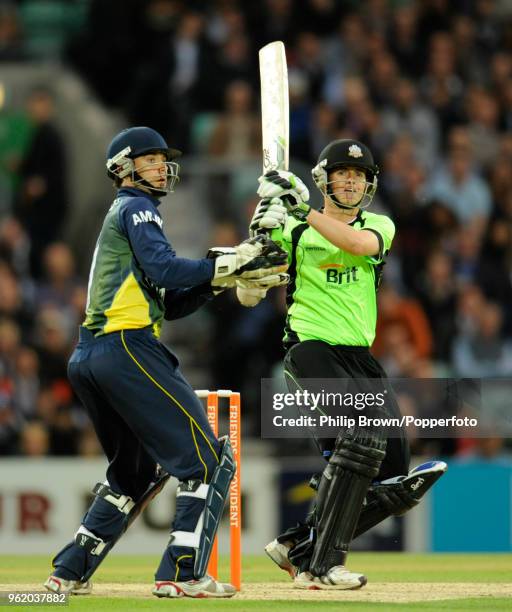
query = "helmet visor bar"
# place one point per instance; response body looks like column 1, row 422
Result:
column 350, row 192
column 168, row 180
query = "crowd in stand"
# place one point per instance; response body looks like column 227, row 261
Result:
column 427, row 84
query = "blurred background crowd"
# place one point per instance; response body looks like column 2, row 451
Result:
column 427, row 84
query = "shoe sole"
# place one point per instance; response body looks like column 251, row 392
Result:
column 205, row 595
column 200, row 595
column 86, row 591
column 331, row 587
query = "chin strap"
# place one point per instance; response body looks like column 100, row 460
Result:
column 141, row 182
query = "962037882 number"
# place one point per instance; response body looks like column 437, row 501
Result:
column 31, row 598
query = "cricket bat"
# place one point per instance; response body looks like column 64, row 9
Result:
column 275, row 115
column 275, row 125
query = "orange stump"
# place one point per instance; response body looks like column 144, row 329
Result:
column 235, row 493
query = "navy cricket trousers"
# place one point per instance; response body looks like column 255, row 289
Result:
column 144, row 412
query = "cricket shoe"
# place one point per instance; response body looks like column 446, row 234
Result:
column 279, row 554
column 205, row 587
column 73, row 587
column 337, row 578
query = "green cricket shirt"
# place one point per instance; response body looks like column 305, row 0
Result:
column 332, row 294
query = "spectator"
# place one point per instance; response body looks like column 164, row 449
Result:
column 54, row 408
column 406, row 313
column 469, row 59
column 408, row 116
column 467, row 260
column 483, row 114
column 15, row 247
column 441, row 86
column 437, row 294
column 13, row 306
column 403, row 41
column 59, row 281
column 43, row 200
column 10, row 342
column 237, row 133
column 52, row 343
column 88, row 445
column 495, row 266
column 481, row 351
column 34, row 440
column 470, row 301
column 26, row 383
column 459, row 186
column 8, row 418
column 11, row 39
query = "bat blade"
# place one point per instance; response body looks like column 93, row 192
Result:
column 274, row 107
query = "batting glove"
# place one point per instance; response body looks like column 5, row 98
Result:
column 250, row 297
column 266, row 282
column 269, row 214
column 288, row 187
column 319, row 174
column 251, row 292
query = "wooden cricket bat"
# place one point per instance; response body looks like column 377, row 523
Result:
column 275, row 121
column 275, row 115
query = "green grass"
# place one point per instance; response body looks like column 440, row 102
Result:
column 379, row 567
column 100, row 604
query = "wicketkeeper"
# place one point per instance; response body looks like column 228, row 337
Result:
column 146, row 415
column 336, row 258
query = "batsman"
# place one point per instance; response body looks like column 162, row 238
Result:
column 146, row 415
column 336, row 257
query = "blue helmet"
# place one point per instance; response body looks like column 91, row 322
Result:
column 134, row 142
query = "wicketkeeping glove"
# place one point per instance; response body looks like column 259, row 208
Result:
column 269, row 214
column 254, row 258
column 289, row 188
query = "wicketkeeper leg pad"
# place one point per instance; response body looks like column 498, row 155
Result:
column 354, row 463
column 107, row 519
column 200, row 536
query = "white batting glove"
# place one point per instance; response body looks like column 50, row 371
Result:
column 288, row 187
column 319, row 175
column 251, row 292
column 266, row 282
column 250, row 297
column 269, row 214
column 277, row 183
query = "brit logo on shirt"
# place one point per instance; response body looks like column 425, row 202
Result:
column 339, row 274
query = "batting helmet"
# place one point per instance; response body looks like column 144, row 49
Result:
column 343, row 153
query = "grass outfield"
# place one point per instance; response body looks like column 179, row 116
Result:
column 395, row 581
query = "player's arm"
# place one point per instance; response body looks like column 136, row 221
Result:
column 368, row 242
column 154, row 253
column 355, row 241
column 182, row 302
column 252, row 260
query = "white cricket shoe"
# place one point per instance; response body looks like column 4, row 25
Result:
column 337, row 578
column 279, row 554
column 73, row 587
column 206, row 587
